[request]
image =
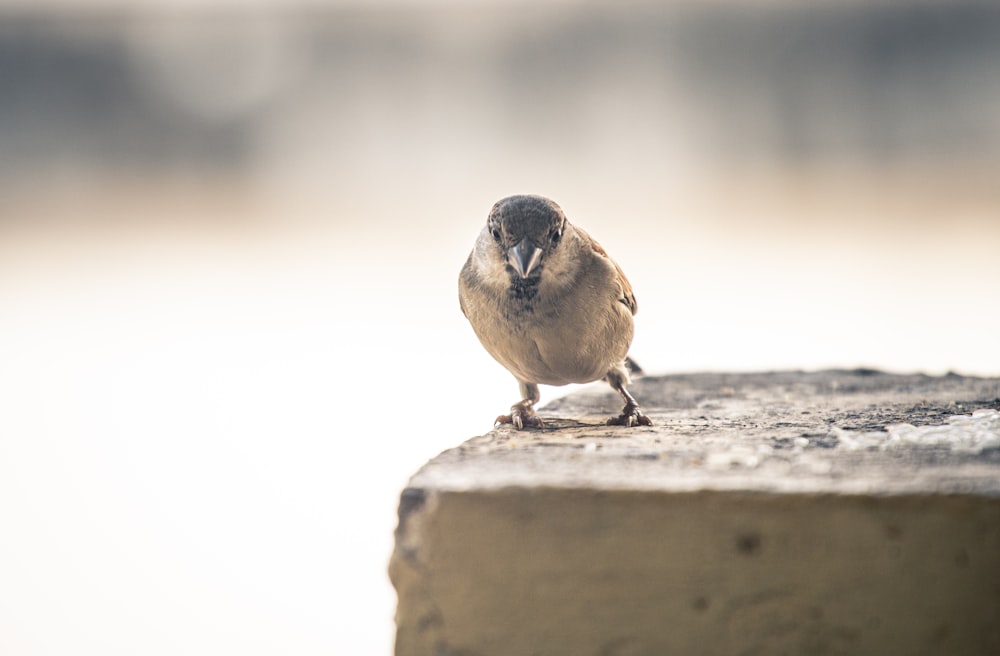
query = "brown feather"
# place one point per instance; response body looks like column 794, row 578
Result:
column 628, row 296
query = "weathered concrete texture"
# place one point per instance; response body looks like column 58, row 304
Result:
column 782, row 513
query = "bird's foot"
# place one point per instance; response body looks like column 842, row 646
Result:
column 630, row 417
column 521, row 415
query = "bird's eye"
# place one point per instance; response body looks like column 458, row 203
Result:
column 495, row 232
column 556, row 236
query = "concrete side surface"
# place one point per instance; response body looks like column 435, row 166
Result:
column 838, row 512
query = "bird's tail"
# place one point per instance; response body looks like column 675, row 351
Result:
column 632, row 366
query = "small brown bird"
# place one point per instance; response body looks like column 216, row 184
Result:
column 549, row 304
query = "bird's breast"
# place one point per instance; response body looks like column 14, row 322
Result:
column 562, row 340
column 550, row 330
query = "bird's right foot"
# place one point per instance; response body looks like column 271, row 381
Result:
column 521, row 415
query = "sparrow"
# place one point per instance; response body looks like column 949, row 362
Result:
column 549, row 304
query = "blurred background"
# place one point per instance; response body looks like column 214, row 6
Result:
column 230, row 235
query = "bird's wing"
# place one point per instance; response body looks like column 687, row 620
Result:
column 463, row 283
column 628, row 296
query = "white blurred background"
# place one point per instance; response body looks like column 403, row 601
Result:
column 230, row 236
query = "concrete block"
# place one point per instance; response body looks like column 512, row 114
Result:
column 784, row 513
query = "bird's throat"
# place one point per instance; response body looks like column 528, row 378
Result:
column 524, row 290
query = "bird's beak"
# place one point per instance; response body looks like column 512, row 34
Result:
column 524, row 257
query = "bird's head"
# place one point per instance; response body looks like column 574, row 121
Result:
column 525, row 230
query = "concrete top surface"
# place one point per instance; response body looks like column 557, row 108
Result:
column 828, row 432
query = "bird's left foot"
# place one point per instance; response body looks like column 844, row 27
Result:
column 630, row 417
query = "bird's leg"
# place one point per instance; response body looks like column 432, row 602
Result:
column 630, row 415
column 522, row 413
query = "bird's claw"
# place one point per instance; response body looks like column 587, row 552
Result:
column 520, row 416
column 630, row 417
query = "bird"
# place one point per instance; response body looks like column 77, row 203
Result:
column 550, row 305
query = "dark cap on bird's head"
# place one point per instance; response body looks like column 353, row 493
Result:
column 526, row 228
